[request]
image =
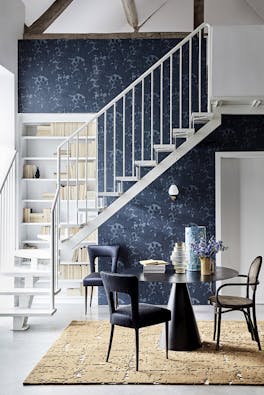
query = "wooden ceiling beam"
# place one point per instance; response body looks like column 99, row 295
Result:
column 198, row 13
column 105, row 36
column 131, row 13
column 49, row 16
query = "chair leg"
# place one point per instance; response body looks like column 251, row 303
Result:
column 249, row 323
column 167, row 338
column 91, row 297
column 116, row 300
column 215, row 321
column 85, row 301
column 218, row 327
column 256, row 327
column 137, row 348
column 110, row 342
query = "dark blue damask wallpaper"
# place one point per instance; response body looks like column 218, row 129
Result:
column 151, row 224
column 82, row 76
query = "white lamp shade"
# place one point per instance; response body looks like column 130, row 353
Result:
column 173, row 190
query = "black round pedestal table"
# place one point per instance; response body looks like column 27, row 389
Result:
column 183, row 330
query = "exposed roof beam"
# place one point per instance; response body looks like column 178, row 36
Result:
column 49, row 16
column 198, row 13
column 104, row 36
column 131, row 13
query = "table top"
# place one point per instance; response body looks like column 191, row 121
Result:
column 221, row 273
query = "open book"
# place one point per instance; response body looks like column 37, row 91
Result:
column 153, row 262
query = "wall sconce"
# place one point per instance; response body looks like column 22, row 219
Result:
column 173, row 192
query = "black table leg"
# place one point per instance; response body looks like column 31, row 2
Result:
column 183, row 330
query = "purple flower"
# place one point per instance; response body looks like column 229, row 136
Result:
column 207, row 249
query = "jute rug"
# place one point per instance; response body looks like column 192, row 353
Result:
column 78, row 357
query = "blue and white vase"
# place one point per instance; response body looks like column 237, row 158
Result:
column 193, row 234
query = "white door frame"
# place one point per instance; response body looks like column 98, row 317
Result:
column 218, row 157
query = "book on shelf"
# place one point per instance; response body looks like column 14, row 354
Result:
column 44, row 130
column 29, row 216
column 26, row 214
column 48, row 195
column 80, row 255
column 71, row 192
column 29, row 171
column 65, row 129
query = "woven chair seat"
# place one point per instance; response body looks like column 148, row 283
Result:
column 231, row 301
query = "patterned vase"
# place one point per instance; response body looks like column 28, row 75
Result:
column 192, row 235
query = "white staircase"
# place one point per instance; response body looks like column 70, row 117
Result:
column 142, row 132
column 148, row 127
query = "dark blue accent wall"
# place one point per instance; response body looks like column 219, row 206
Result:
column 82, row 76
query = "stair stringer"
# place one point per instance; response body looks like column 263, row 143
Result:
column 68, row 245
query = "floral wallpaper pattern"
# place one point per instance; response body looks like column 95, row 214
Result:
column 82, row 76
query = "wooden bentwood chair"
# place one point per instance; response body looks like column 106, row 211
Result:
column 94, row 279
column 243, row 304
column 135, row 315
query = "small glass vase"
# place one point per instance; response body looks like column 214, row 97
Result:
column 179, row 257
column 206, row 265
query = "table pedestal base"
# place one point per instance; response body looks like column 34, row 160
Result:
column 183, row 330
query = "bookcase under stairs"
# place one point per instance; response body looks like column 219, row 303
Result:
column 40, row 136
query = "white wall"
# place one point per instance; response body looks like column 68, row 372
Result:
column 238, row 61
column 12, row 17
column 230, row 12
column 230, row 210
column 11, row 29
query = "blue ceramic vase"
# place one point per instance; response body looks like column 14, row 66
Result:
column 192, row 235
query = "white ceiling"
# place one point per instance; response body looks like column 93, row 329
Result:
column 107, row 16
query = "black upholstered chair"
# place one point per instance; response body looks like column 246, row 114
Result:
column 135, row 315
column 247, row 304
column 94, row 279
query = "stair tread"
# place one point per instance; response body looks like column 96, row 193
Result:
column 128, row 178
column 25, row 291
column 146, row 163
column 164, row 147
column 109, row 194
column 26, row 272
column 183, row 132
column 201, row 117
column 16, row 311
column 39, row 253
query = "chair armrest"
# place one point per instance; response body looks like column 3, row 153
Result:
column 232, row 285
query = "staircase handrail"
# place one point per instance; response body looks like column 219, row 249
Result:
column 141, row 78
column 8, row 170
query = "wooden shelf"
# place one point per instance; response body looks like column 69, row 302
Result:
column 36, row 223
column 56, row 138
column 71, row 158
column 62, row 179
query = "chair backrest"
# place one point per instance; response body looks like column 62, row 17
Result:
column 96, row 251
column 253, row 274
column 124, row 283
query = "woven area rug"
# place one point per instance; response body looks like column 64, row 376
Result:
column 78, row 357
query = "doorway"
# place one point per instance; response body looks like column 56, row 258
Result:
column 240, row 210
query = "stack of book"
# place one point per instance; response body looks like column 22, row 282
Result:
column 29, row 216
column 29, row 171
column 71, row 192
column 153, row 266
